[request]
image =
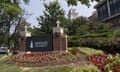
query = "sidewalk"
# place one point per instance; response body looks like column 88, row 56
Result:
column 2, row 57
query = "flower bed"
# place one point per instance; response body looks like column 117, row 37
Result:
column 43, row 58
column 106, row 63
column 99, row 60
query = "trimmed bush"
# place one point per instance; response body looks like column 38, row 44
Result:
column 109, row 45
column 85, row 50
column 94, row 35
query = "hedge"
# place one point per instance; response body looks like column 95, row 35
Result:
column 110, row 45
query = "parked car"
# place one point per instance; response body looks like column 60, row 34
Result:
column 3, row 49
column 14, row 50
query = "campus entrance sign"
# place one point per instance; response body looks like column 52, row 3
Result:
column 39, row 43
column 55, row 42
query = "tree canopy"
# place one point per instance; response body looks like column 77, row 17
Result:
column 85, row 2
column 74, row 2
column 10, row 18
column 52, row 13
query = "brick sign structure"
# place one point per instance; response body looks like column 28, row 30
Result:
column 55, row 42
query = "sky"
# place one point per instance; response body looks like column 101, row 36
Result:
column 35, row 8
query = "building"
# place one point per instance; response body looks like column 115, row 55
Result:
column 109, row 11
column 93, row 17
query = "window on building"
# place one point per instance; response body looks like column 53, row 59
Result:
column 103, row 7
column 111, row 2
column 114, row 1
column 117, row 0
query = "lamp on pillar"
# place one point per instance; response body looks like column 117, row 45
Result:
column 26, row 28
column 58, row 23
column 57, row 31
column 26, row 33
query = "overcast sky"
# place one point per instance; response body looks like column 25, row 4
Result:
column 36, row 8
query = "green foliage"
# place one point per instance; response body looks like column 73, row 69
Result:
column 82, row 26
column 52, row 13
column 74, row 51
column 36, row 32
column 109, row 45
column 83, row 29
column 87, row 68
column 76, row 26
column 85, row 2
column 73, row 42
column 90, row 51
column 85, row 50
column 10, row 19
column 11, row 10
column 116, row 33
column 114, row 63
column 94, row 35
column 99, row 27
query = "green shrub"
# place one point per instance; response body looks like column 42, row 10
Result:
column 114, row 63
column 87, row 68
column 109, row 45
column 72, row 42
column 90, row 51
column 116, row 33
column 84, row 50
column 93, row 35
column 74, row 51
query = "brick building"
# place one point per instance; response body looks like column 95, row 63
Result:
column 109, row 11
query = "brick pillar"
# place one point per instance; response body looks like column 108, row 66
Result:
column 64, row 43
column 22, row 44
column 59, row 42
column 59, row 39
column 56, row 42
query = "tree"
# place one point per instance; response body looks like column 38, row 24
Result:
column 82, row 25
column 10, row 18
column 99, row 27
column 76, row 24
column 52, row 13
column 86, row 2
column 20, row 28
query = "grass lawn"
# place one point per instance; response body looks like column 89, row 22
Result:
column 60, row 68
column 65, row 68
column 8, row 68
